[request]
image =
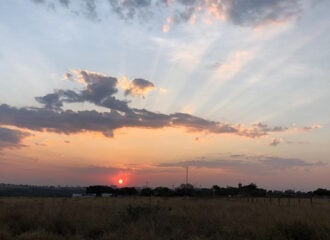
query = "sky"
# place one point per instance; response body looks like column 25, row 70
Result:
column 93, row 91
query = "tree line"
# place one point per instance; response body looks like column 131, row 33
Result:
column 250, row 190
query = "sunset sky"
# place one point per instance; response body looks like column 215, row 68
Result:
column 96, row 91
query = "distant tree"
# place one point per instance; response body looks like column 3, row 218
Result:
column 219, row 191
column 162, row 191
column 185, row 190
column 146, row 192
column 99, row 189
column 215, row 188
column 289, row 193
column 204, row 192
column 127, row 191
column 186, row 186
column 322, row 192
column 250, row 187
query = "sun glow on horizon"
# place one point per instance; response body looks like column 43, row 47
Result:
column 120, row 181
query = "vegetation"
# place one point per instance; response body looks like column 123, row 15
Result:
column 14, row 190
column 163, row 218
column 250, row 190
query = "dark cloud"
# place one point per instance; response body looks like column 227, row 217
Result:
column 100, row 89
column 256, row 12
column 65, row 3
column 139, row 86
column 11, row 138
column 130, row 9
column 239, row 12
column 90, row 7
column 41, row 119
column 39, row 1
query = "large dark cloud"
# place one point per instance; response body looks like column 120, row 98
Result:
column 100, row 90
column 239, row 12
column 42, row 119
column 11, row 138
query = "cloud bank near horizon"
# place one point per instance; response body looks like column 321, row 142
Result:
column 238, row 163
column 246, row 164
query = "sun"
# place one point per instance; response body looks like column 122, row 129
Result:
column 120, row 181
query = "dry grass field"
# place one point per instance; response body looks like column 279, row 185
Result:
column 162, row 218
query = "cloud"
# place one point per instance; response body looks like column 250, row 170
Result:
column 249, row 13
column 68, row 121
column 11, row 138
column 139, row 87
column 284, row 163
column 243, row 163
column 309, row 128
column 239, row 12
column 257, row 12
column 275, row 142
column 65, row 3
column 100, row 90
column 90, row 7
column 130, row 9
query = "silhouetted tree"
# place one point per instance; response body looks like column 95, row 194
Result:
column 146, row 192
column 127, row 191
column 322, row 192
column 162, row 191
column 99, row 189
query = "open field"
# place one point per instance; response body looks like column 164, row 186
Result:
column 163, row 218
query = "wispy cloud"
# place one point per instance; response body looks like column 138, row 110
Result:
column 96, row 170
column 244, row 163
column 173, row 12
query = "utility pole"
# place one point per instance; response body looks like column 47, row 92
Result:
column 187, row 169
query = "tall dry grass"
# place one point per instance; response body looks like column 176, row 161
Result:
column 162, row 218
